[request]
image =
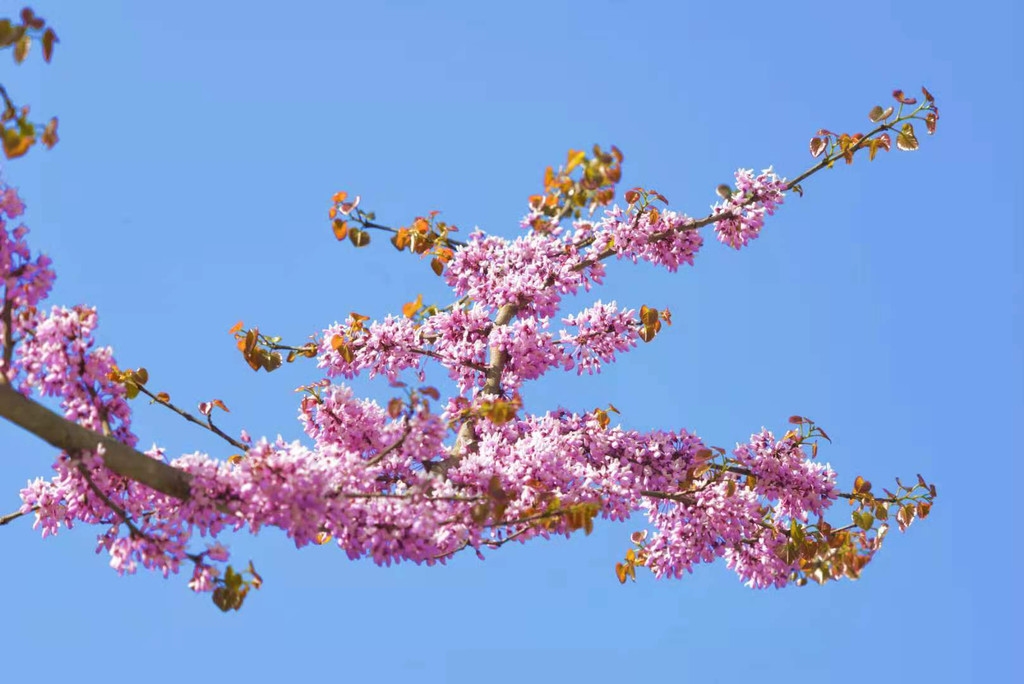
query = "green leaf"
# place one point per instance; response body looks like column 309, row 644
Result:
column 359, row 237
column 864, row 520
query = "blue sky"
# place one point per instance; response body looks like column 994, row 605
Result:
column 201, row 142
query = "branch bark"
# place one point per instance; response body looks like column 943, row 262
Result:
column 68, row 436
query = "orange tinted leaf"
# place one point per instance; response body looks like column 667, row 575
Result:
column 648, row 316
column 163, row 396
column 21, row 48
column 648, row 332
column 575, row 159
column 235, row 328
column 15, row 144
column 340, row 228
column 437, row 266
column 339, row 196
column 409, row 309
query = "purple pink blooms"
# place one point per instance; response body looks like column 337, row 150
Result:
column 368, row 477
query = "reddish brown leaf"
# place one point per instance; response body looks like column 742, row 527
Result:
column 50, row 137
column 395, row 407
column 903, row 99
column 49, row 40
column 817, row 146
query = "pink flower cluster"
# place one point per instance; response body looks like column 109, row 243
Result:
column 786, row 475
column 634, row 238
column 744, row 211
column 531, row 272
column 602, row 330
column 371, row 479
column 383, row 348
column 741, row 523
column 26, row 280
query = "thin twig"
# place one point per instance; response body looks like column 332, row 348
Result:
column 387, row 450
column 208, row 423
column 11, row 517
column 120, row 512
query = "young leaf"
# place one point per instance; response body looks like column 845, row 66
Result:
column 49, row 39
column 906, row 140
column 21, row 48
column 359, row 237
column 409, row 309
column 340, row 228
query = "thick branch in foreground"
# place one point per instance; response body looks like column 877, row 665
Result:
column 67, row 436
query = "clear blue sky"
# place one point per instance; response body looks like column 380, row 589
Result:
column 201, row 142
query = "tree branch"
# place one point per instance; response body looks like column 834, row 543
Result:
column 68, row 436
